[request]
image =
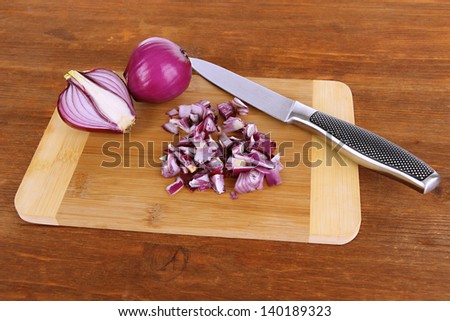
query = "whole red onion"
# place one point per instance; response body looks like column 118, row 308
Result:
column 157, row 71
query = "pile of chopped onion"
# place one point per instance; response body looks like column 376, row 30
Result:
column 206, row 155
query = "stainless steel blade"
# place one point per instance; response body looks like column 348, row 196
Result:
column 266, row 100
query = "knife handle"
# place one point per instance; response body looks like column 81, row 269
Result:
column 367, row 148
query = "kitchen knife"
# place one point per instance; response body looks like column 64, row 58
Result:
column 361, row 145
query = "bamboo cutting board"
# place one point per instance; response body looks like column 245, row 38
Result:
column 112, row 181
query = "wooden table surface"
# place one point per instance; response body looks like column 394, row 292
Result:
column 395, row 56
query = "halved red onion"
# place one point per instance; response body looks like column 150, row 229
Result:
column 187, row 162
column 172, row 112
column 272, row 176
column 184, row 110
column 224, row 140
column 171, row 128
column 170, row 167
column 250, row 130
column 200, row 183
column 276, row 161
column 96, row 100
column 233, row 124
column 215, row 166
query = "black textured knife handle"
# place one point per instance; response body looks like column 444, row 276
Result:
column 378, row 152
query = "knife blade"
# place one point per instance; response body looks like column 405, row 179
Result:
column 362, row 146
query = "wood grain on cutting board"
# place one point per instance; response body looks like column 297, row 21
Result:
column 71, row 181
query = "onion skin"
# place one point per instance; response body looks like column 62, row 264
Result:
column 157, row 71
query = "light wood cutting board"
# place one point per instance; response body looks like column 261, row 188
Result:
column 71, row 181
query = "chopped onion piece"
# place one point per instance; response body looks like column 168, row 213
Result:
column 205, row 103
column 276, row 161
column 233, row 124
column 175, row 187
column 183, row 124
column 240, row 106
column 273, row 177
column 171, row 128
column 218, row 183
column 194, row 118
column 201, row 152
column 226, row 110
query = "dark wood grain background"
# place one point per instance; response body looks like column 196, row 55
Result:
column 395, row 56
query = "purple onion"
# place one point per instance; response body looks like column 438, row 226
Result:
column 96, row 100
column 240, row 106
column 157, row 71
column 218, row 183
